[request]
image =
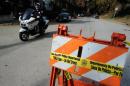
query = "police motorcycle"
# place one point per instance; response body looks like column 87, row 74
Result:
column 31, row 25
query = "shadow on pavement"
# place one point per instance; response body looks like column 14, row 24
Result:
column 72, row 22
column 39, row 37
column 11, row 45
column 49, row 34
column 80, row 21
column 33, row 39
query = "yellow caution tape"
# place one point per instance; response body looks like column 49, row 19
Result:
column 59, row 71
column 68, row 76
column 86, row 63
column 128, row 43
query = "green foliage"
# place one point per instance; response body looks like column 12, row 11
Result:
column 100, row 2
column 104, row 2
column 104, row 5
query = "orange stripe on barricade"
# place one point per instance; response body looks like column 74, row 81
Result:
column 105, row 56
column 101, row 56
column 79, row 71
column 71, row 46
column 81, row 83
column 68, row 49
column 52, row 61
column 82, row 70
column 111, row 81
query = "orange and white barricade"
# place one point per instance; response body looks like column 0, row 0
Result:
column 96, row 62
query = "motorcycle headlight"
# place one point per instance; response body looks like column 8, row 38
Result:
column 23, row 25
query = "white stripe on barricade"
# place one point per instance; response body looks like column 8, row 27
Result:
column 91, row 49
column 59, row 41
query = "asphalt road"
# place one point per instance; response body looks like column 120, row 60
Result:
column 26, row 63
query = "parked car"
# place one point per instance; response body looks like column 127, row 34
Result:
column 64, row 16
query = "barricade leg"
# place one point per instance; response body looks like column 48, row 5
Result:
column 64, row 79
column 53, row 76
column 70, row 81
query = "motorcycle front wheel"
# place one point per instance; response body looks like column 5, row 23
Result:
column 24, row 36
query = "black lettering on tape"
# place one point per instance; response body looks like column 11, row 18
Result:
column 93, row 67
column 120, row 74
column 70, row 57
column 106, row 70
column 113, row 70
column 68, row 61
column 54, row 57
column 64, row 60
column 64, row 56
column 99, row 69
column 73, row 62
column 117, row 73
column 109, row 66
column 52, row 54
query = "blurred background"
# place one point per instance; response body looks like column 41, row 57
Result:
column 11, row 8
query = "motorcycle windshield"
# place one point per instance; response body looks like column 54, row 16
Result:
column 27, row 14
